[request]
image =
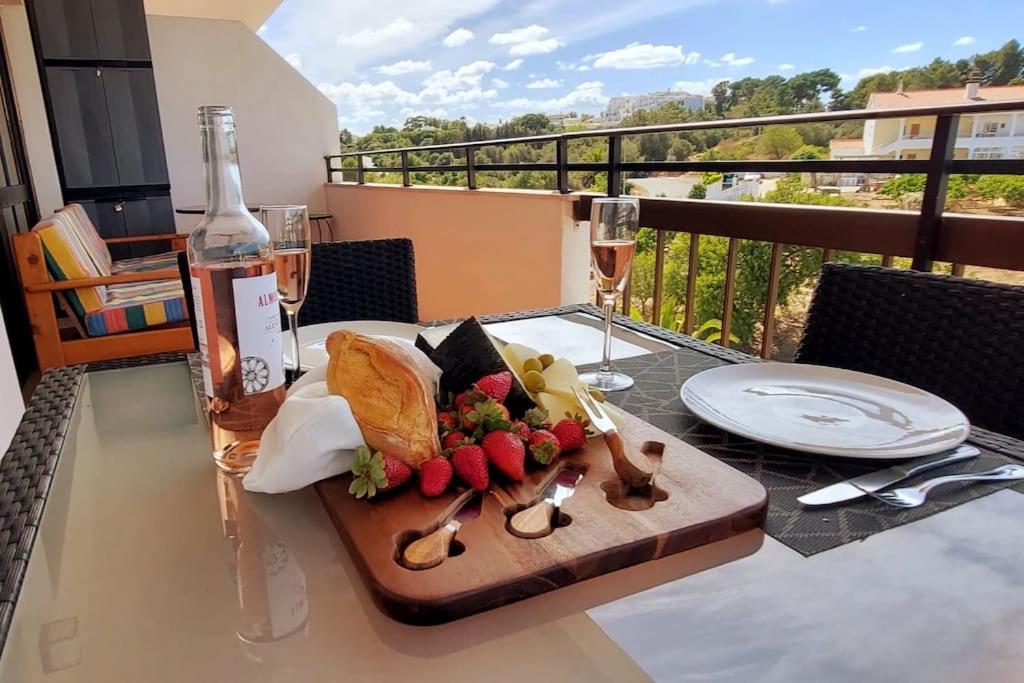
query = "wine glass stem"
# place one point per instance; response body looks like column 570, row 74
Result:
column 294, row 329
column 609, row 310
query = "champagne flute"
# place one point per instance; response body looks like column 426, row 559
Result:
column 613, row 225
column 288, row 226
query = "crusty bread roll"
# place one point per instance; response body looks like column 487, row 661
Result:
column 390, row 400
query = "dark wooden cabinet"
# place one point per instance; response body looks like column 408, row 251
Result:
column 84, row 140
column 90, row 30
column 64, row 29
column 121, row 30
column 94, row 61
column 135, row 125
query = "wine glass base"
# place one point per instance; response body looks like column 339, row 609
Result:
column 606, row 381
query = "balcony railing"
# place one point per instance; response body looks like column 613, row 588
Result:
column 925, row 236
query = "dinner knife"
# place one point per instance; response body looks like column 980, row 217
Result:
column 851, row 489
column 539, row 519
column 432, row 549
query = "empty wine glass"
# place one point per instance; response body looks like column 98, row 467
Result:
column 613, row 225
column 288, row 226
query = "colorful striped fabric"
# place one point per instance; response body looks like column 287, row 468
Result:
column 74, row 249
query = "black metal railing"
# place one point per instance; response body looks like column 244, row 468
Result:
column 674, row 215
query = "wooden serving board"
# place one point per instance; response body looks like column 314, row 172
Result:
column 706, row 501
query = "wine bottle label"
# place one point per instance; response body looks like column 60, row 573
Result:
column 204, row 349
column 258, row 317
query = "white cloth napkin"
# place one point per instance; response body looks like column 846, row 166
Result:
column 314, row 435
column 562, row 338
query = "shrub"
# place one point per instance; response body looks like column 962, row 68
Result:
column 698, row 191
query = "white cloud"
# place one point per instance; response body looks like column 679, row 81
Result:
column 588, row 94
column 696, row 87
column 295, row 59
column 731, row 59
column 712, row 63
column 964, row 40
column 459, row 86
column 519, row 35
column 535, row 47
column 872, row 70
column 583, row 67
column 396, row 30
column 644, row 56
column 406, row 66
column 513, row 65
column 498, row 83
column 458, row 37
column 261, row 31
column 544, row 83
column 859, row 29
column 909, row 47
column 786, row 67
column 364, row 101
column 436, row 113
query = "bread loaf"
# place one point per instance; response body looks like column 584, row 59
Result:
column 390, row 400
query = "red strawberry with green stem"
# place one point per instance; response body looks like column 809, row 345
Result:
column 496, row 385
column 376, row 473
column 520, row 429
column 537, row 418
column 507, row 453
column 470, row 463
column 571, row 433
column 454, row 440
column 544, row 446
column 485, row 416
column 447, row 421
column 435, row 476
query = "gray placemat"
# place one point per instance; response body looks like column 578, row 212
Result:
column 786, row 475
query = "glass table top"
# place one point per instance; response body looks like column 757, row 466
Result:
column 149, row 566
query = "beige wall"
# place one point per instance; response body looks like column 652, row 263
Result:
column 477, row 251
column 11, row 405
column 29, row 100
column 252, row 13
column 285, row 125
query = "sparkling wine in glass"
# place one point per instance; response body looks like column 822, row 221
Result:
column 613, row 225
column 289, row 230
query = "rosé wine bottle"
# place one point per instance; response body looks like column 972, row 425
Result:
column 238, row 320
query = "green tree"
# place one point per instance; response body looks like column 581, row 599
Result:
column 778, row 142
column 810, row 152
column 698, row 191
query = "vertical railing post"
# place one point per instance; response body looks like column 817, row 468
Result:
column 330, row 169
column 771, row 301
column 405, row 170
column 360, row 174
column 934, row 200
column 659, row 275
column 562, row 160
column 614, row 159
column 470, row 168
column 732, row 255
column 692, row 259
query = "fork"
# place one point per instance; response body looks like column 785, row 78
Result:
column 914, row 496
column 634, row 468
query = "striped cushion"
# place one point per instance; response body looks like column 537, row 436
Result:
column 69, row 256
column 90, row 236
column 166, row 260
column 137, row 305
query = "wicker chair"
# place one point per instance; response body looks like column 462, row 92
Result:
column 367, row 280
column 960, row 339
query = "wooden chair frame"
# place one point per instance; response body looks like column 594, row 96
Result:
column 38, row 287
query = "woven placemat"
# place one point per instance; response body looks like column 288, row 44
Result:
column 786, row 475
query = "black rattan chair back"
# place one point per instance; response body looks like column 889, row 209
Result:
column 960, row 339
column 367, row 280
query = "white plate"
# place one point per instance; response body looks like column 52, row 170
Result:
column 313, row 338
column 824, row 410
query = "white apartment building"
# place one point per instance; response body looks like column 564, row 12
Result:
column 624, row 105
column 979, row 136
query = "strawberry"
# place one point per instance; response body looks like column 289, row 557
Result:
column 571, row 433
column 497, row 385
column 537, row 418
column 372, row 474
column 460, row 399
column 470, row 463
column 469, row 396
column 435, row 476
column 520, row 429
column 455, row 439
column 506, row 452
column 488, row 415
column 447, row 421
column 544, row 446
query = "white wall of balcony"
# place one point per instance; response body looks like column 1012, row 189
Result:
column 285, row 125
column 11, row 405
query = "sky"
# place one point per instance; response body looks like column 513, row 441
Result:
column 491, row 60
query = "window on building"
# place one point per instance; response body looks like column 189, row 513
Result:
column 1017, row 153
column 988, row 153
column 990, row 129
